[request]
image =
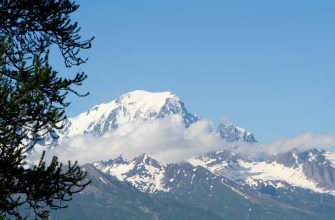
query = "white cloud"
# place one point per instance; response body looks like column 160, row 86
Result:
column 167, row 140
column 301, row 142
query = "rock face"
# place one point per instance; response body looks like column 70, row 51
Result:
column 232, row 133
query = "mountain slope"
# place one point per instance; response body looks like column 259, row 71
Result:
column 218, row 197
column 108, row 198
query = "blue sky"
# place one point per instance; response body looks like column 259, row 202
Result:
column 267, row 66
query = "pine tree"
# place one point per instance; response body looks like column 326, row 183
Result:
column 33, row 102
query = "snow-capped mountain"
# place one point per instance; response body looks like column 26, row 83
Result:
column 316, row 165
column 148, row 175
column 136, row 105
column 217, row 183
column 232, row 133
column 199, row 194
column 143, row 172
column 222, row 181
column 312, row 169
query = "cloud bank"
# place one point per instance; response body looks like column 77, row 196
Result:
column 167, row 140
column 301, row 142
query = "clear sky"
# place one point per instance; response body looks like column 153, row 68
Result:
column 267, row 66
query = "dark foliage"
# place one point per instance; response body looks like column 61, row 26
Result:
column 36, row 24
column 32, row 103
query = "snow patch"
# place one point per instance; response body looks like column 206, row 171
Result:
column 102, row 180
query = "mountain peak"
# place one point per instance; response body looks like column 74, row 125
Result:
column 144, row 99
column 144, row 159
column 232, row 133
column 143, row 172
column 135, row 105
